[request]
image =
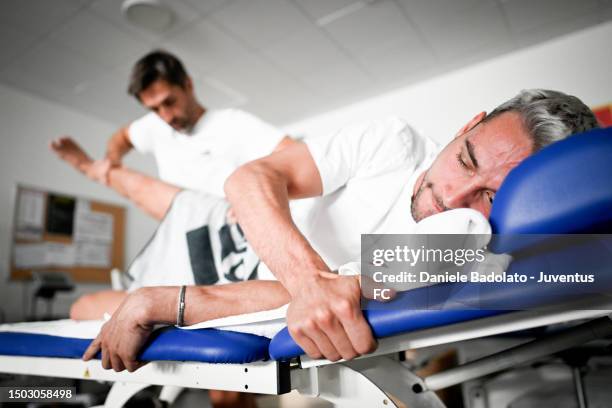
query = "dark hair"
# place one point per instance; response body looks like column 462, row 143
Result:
column 156, row 65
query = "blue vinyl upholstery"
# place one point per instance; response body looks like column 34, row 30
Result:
column 563, row 189
column 169, row 344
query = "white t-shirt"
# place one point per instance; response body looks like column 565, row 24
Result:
column 368, row 173
column 201, row 160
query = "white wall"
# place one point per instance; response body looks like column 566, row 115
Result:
column 579, row 64
column 28, row 123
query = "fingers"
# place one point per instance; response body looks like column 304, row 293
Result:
column 134, row 365
column 106, row 362
column 360, row 334
column 116, row 363
column 92, row 350
column 305, row 343
column 339, row 342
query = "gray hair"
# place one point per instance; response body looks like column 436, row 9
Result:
column 549, row 116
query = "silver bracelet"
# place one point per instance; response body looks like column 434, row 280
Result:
column 180, row 313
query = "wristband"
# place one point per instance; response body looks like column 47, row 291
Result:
column 180, row 313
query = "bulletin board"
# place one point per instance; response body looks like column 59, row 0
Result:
column 61, row 232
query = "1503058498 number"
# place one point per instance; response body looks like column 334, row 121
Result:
column 34, row 394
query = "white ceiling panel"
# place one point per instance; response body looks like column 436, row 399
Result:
column 207, row 46
column 281, row 59
column 38, row 17
column 435, row 11
column 13, row 43
column 465, row 31
column 374, row 28
column 107, row 96
column 321, row 8
column 306, row 51
column 205, row 7
column 398, row 64
column 528, row 14
column 552, row 29
column 260, row 23
column 100, row 40
column 217, row 93
column 47, row 62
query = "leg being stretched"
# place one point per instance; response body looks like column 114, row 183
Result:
column 151, row 195
column 93, row 306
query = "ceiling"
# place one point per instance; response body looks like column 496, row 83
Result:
column 281, row 59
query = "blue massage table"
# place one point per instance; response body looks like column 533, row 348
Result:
column 564, row 189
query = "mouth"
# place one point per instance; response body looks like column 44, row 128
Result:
column 436, row 204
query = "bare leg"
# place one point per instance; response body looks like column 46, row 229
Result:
column 151, row 195
column 93, row 306
column 231, row 399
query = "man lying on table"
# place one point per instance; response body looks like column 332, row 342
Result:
column 376, row 178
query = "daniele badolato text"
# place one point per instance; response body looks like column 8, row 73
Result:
column 477, row 277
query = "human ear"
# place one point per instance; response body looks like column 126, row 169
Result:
column 471, row 124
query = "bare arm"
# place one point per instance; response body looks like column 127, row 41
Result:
column 124, row 335
column 324, row 316
column 118, row 146
column 259, row 193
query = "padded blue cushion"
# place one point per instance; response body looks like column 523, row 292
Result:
column 445, row 304
column 168, row 344
column 565, row 188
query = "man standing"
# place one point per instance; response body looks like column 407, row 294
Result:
column 194, row 148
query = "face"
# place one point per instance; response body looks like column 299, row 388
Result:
column 176, row 105
column 469, row 170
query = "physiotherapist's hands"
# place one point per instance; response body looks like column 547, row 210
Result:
column 325, row 318
column 123, row 336
column 98, row 171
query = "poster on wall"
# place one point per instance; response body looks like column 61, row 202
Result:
column 604, row 115
column 30, row 215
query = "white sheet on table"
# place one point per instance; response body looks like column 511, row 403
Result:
column 85, row 329
column 266, row 324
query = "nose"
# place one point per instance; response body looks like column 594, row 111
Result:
column 460, row 195
column 166, row 114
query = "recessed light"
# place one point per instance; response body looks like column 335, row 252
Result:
column 151, row 15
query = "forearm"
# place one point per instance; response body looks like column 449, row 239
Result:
column 203, row 303
column 260, row 199
column 118, row 145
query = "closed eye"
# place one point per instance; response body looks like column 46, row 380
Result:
column 461, row 161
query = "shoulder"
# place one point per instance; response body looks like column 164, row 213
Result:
column 148, row 123
column 392, row 139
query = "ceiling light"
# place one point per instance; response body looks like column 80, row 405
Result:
column 151, row 15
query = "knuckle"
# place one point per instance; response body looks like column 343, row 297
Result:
column 325, row 317
column 344, row 308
